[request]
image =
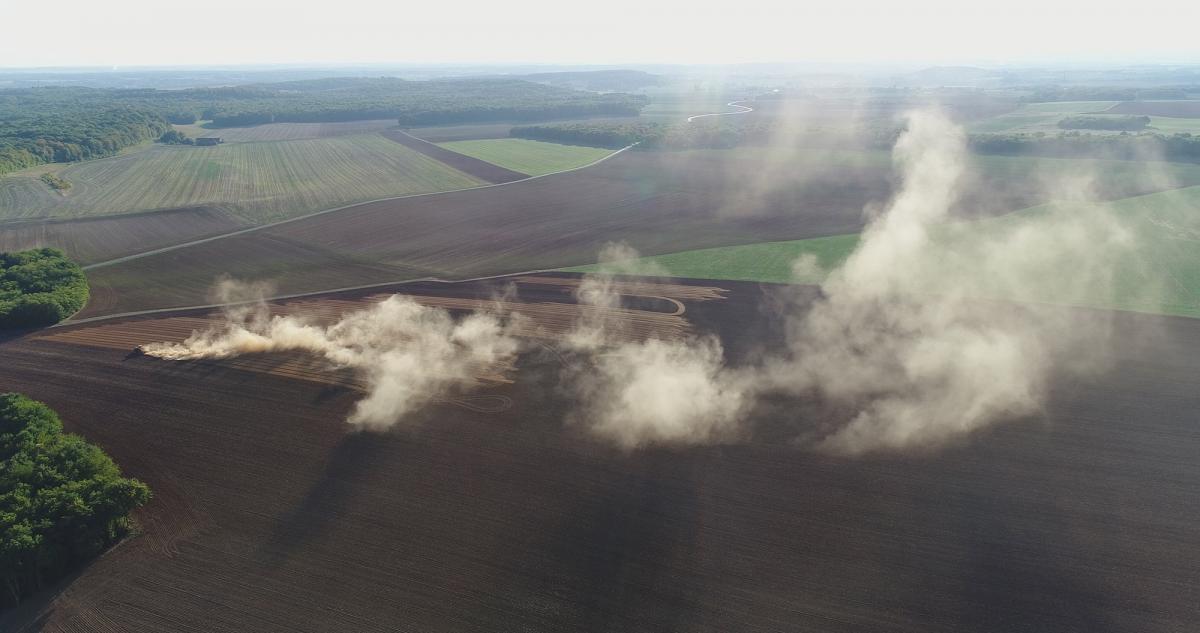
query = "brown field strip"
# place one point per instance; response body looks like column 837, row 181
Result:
column 467, row 164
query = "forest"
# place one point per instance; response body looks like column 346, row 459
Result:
column 63, row 124
column 62, row 500
column 39, row 287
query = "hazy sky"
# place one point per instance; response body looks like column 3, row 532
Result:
column 153, row 32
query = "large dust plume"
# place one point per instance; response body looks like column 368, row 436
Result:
column 904, row 335
column 637, row 393
column 408, row 354
column 931, row 329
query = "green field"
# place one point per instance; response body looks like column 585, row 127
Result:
column 1174, row 125
column 259, row 182
column 528, row 157
column 1037, row 117
column 1161, row 274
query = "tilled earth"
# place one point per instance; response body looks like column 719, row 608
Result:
column 270, row 514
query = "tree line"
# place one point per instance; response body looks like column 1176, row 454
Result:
column 62, row 500
column 1175, row 147
column 63, row 124
column 721, row 135
column 39, row 287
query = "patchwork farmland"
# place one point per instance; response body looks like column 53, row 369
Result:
column 657, row 202
column 757, row 374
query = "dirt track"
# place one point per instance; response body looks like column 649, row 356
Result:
column 100, row 238
column 270, row 516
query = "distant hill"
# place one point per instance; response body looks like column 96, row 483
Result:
column 954, row 76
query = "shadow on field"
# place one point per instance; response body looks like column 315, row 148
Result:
column 621, row 557
column 329, row 498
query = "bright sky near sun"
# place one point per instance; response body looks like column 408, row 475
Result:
column 153, row 32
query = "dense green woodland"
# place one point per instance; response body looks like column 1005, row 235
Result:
column 53, row 129
column 60, row 124
column 62, row 500
column 39, row 287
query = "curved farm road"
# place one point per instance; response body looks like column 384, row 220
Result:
column 732, row 104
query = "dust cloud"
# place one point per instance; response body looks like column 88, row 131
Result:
column 904, row 335
column 933, row 328
column 639, row 393
column 407, row 354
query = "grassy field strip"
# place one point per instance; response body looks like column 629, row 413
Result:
column 535, row 158
column 1174, row 125
column 1162, row 276
column 260, row 182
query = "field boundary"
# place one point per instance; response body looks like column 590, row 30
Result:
column 182, row 245
column 298, row 295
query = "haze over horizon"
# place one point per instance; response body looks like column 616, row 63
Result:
column 927, row 32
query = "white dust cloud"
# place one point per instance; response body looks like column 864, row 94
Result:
column 901, row 335
column 638, row 393
column 933, row 328
column 408, row 354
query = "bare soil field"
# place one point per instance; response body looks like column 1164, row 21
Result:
column 91, row 240
column 467, row 164
column 271, row 515
column 1180, row 109
column 658, row 202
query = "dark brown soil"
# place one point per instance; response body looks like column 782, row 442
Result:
column 269, row 515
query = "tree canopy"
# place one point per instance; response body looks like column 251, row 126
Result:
column 62, row 500
column 39, row 287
